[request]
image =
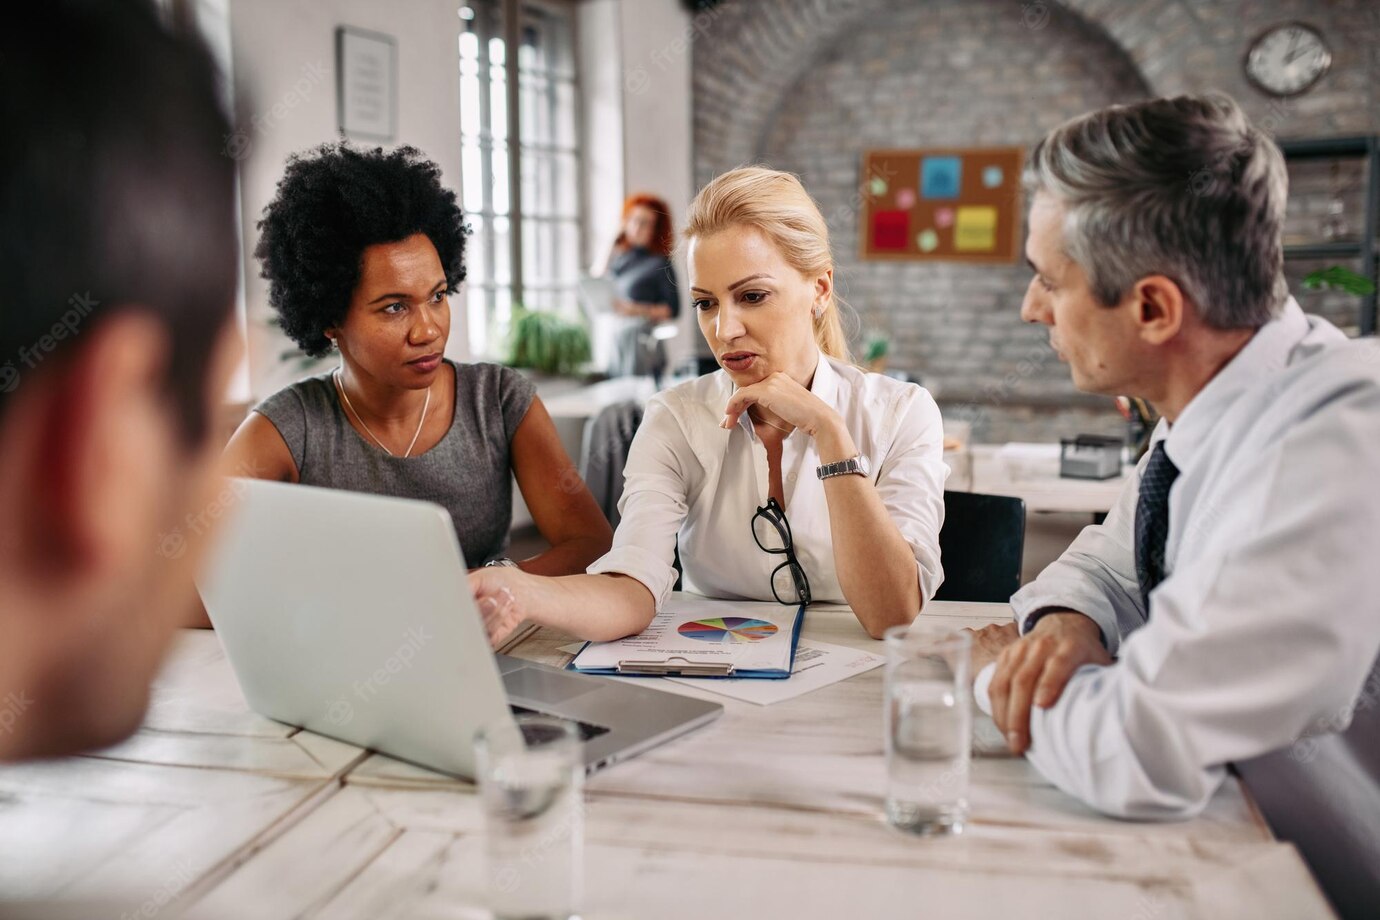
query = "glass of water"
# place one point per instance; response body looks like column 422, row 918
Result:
column 928, row 725
column 531, row 781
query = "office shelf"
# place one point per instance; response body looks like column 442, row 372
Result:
column 1367, row 146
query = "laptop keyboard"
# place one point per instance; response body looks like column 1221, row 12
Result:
column 587, row 730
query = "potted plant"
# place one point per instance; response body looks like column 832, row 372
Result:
column 547, row 343
column 875, row 351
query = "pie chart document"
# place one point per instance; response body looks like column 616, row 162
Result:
column 699, row 637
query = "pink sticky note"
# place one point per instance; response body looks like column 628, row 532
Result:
column 905, row 198
column 944, row 217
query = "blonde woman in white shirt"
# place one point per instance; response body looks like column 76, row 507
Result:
column 789, row 429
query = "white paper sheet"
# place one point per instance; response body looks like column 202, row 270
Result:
column 748, row 635
column 817, row 664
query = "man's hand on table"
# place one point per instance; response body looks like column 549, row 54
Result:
column 989, row 642
column 1035, row 668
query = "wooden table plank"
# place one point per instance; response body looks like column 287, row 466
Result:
column 423, row 858
column 198, row 717
column 105, row 829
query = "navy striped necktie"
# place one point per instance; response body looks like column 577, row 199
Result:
column 1152, row 521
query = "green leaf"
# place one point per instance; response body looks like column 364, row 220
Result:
column 876, row 348
column 1338, row 278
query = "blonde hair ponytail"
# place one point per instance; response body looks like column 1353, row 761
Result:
column 778, row 207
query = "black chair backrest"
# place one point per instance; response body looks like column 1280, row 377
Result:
column 981, row 546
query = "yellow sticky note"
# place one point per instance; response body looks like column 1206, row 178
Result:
column 975, row 229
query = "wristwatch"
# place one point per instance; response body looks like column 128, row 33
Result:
column 856, row 464
column 503, row 561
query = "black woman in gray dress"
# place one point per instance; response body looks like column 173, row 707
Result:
column 362, row 249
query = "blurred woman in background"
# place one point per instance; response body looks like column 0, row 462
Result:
column 646, row 295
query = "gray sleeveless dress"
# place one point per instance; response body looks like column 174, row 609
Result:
column 469, row 472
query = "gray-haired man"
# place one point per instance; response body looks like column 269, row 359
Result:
column 1234, row 580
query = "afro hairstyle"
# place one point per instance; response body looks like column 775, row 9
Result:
column 334, row 201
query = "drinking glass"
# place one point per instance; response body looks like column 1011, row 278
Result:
column 928, row 725
column 531, row 781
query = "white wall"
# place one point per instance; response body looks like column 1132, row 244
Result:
column 601, row 114
column 284, row 71
column 655, row 37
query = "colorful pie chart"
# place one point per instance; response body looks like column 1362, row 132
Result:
column 727, row 629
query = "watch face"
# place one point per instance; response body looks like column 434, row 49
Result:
column 864, row 466
column 1287, row 59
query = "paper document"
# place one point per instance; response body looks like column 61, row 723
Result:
column 817, row 664
column 698, row 637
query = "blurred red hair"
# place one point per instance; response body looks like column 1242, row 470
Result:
column 662, row 234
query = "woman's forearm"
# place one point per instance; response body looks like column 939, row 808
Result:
column 876, row 568
column 599, row 608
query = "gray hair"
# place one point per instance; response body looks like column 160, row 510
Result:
column 1184, row 187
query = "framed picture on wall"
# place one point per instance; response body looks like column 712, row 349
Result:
column 366, row 67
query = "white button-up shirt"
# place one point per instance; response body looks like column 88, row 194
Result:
column 1268, row 621
column 688, row 477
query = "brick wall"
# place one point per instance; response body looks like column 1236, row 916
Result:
column 806, row 85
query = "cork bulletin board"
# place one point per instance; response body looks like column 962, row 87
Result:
column 959, row 205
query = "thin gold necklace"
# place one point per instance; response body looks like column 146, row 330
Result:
column 769, row 424
column 359, row 418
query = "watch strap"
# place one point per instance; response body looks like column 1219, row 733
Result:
column 841, row 468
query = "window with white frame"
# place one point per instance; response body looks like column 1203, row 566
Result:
column 536, row 225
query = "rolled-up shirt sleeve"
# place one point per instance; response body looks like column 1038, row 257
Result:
column 1095, row 576
column 910, row 483
column 653, row 505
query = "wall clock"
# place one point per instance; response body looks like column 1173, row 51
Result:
column 1287, row 59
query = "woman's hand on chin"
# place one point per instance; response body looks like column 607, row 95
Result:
column 786, row 399
column 496, row 592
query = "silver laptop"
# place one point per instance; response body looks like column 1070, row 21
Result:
column 351, row 615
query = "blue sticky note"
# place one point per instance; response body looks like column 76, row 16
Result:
column 940, row 177
column 993, row 176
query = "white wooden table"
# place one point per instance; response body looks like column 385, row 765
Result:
column 983, row 468
column 769, row 811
